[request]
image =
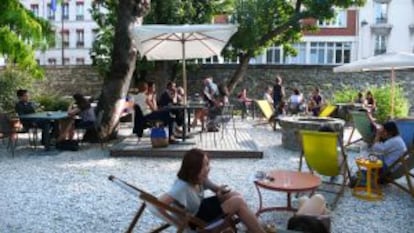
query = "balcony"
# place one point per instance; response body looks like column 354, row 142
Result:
column 381, row 27
column 80, row 44
column 382, row 1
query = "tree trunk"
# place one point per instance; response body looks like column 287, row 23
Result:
column 124, row 55
column 239, row 73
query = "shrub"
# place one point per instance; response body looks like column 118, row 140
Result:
column 52, row 102
column 382, row 96
column 10, row 81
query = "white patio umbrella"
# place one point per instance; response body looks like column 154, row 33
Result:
column 181, row 42
column 389, row 61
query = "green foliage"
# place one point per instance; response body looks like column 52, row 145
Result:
column 52, row 102
column 10, row 81
column 162, row 12
column 21, row 32
column 382, row 96
column 273, row 22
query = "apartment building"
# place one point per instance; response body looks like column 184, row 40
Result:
column 379, row 26
column 386, row 26
column 74, row 28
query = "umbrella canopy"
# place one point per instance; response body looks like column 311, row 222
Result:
column 181, row 42
column 389, row 61
column 386, row 61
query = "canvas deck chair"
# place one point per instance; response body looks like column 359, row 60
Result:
column 403, row 166
column 320, row 150
column 227, row 224
column 364, row 127
column 267, row 110
column 327, row 111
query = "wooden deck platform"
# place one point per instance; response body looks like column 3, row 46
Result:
column 226, row 146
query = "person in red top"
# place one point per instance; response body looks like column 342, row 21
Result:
column 245, row 101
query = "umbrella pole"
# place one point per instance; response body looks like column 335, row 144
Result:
column 184, row 73
column 392, row 91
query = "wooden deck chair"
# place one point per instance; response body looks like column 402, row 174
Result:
column 6, row 132
column 403, row 166
column 364, row 127
column 322, row 156
column 227, row 224
column 267, row 110
column 327, row 111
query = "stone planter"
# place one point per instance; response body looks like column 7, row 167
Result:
column 291, row 125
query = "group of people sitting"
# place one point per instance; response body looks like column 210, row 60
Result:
column 80, row 115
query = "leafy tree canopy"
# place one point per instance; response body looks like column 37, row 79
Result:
column 21, row 32
column 263, row 23
column 162, row 12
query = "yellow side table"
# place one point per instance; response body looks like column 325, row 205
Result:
column 372, row 190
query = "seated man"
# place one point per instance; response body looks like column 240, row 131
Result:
column 388, row 146
column 170, row 97
column 23, row 107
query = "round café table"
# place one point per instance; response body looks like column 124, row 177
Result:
column 288, row 182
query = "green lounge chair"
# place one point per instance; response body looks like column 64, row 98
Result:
column 364, row 127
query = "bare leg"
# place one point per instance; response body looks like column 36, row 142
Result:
column 237, row 205
column 65, row 127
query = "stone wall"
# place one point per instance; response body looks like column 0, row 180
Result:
column 84, row 79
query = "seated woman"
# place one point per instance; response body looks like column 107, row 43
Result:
column 188, row 192
column 146, row 101
column 296, row 102
column 370, row 104
column 245, row 101
column 81, row 108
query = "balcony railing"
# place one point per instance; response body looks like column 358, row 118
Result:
column 379, row 51
column 381, row 20
column 80, row 44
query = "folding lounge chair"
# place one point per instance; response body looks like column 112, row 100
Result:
column 320, row 150
column 6, row 132
column 327, row 111
column 184, row 220
column 364, row 127
column 267, row 111
column 403, row 166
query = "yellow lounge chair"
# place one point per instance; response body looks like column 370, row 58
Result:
column 320, row 150
column 267, row 110
column 327, row 111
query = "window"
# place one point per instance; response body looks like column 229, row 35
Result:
column 380, row 11
column 330, row 52
column 65, row 38
column 80, row 61
column 212, row 60
column 35, row 9
column 317, row 53
column 38, row 61
column 380, row 44
column 66, row 60
column 50, row 12
column 300, row 58
column 79, row 38
column 51, row 61
column 338, row 21
column 95, row 32
column 273, row 55
column 66, row 11
column 79, row 11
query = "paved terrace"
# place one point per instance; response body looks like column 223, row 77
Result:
column 70, row 192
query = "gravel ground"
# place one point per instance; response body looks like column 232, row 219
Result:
column 69, row 191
